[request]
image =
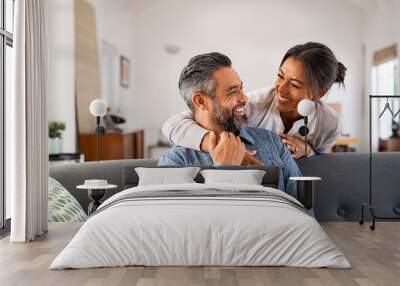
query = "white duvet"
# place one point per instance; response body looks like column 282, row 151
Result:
column 188, row 231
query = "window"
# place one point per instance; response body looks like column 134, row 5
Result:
column 6, row 44
column 385, row 79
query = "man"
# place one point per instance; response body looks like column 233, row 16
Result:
column 213, row 91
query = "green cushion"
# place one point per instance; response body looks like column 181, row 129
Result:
column 63, row 207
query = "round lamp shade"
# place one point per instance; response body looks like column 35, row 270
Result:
column 98, row 107
column 305, row 107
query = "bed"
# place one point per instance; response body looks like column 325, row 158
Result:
column 198, row 224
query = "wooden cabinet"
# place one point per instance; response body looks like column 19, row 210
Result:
column 113, row 146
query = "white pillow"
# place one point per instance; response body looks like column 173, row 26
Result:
column 165, row 176
column 248, row 177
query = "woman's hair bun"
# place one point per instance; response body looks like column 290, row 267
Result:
column 341, row 73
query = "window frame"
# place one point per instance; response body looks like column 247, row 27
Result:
column 6, row 39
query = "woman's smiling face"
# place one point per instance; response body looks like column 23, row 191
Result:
column 291, row 86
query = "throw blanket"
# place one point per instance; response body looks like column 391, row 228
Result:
column 204, row 194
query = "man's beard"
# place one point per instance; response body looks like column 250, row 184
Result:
column 227, row 120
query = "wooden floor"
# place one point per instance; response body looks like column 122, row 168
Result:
column 375, row 256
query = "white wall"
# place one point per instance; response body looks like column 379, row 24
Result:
column 114, row 27
column 61, row 95
column 255, row 34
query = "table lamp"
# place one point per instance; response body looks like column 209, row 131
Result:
column 98, row 108
column 305, row 185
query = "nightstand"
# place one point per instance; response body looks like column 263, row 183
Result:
column 96, row 194
column 305, row 190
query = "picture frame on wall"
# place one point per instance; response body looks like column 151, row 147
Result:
column 124, row 71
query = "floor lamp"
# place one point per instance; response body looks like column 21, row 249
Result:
column 98, row 108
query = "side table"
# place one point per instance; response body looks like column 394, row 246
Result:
column 96, row 194
column 305, row 190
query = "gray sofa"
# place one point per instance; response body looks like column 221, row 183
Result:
column 338, row 197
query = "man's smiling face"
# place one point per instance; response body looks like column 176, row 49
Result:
column 229, row 101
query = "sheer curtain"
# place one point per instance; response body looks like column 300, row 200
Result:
column 26, row 147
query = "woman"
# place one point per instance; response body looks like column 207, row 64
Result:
column 306, row 71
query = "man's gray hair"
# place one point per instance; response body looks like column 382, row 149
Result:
column 197, row 76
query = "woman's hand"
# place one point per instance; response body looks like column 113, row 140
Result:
column 249, row 159
column 295, row 145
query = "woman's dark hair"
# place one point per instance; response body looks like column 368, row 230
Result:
column 320, row 65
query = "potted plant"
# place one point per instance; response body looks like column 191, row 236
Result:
column 55, row 136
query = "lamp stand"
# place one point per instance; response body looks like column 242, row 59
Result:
column 100, row 131
column 305, row 185
column 303, row 131
column 306, row 133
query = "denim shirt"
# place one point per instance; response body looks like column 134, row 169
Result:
column 270, row 151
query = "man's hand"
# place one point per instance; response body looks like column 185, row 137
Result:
column 228, row 151
column 295, row 145
column 248, row 159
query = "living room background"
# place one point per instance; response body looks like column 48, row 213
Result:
column 255, row 35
